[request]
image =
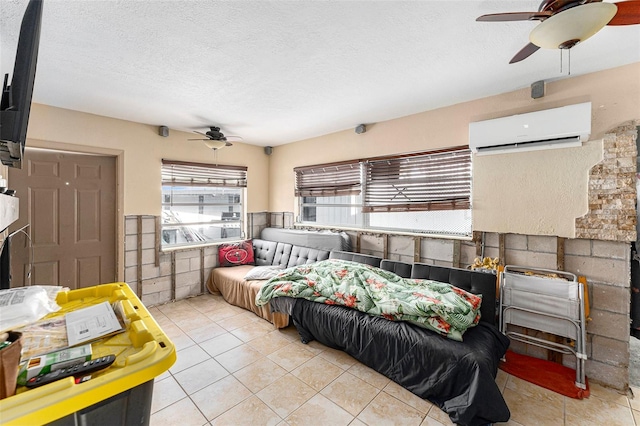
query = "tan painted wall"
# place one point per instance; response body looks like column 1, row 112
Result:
column 142, row 151
column 552, row 181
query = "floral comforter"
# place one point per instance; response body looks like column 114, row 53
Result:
column 437, row 306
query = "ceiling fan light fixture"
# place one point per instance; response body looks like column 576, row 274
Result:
column 215, row 144
column 569, row 27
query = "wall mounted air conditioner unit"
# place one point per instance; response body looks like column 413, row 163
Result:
column 552, row 128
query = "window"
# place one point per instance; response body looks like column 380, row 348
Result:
column 201, row 203
column 426, row 192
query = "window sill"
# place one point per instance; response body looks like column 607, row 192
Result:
column 198, row 246
column 371, row 231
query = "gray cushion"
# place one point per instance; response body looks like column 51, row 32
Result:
column 264, row 251
column 304, row 255
column 356, row 257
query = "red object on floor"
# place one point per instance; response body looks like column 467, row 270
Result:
column 547, row 374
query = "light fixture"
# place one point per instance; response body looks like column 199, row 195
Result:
column 215, row 145
column 572, row 26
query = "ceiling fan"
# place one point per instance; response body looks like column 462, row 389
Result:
column 565, row 23
column 215, row 139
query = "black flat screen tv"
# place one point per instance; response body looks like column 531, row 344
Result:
column 15, row 103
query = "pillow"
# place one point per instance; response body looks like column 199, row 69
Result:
column 236, row 254
column 263, row 272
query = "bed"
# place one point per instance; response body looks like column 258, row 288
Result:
column 458, row 376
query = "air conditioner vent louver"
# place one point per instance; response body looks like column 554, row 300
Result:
column 563, row 127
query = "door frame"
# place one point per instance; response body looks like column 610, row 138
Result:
column 94, row 150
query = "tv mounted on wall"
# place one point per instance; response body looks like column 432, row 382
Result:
column 15, row 103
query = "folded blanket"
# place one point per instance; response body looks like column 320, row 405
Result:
column 437, row 306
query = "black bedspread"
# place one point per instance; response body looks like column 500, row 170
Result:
column 459, row 377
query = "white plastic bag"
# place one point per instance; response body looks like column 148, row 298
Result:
column 23, row 305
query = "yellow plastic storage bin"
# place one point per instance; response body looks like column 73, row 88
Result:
column 120, row 394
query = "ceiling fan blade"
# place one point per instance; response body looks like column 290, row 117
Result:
column 200, row 133
column 628, row 13
column 198, row 139
column 524, row 53
column 227, row 143
column 514, row 16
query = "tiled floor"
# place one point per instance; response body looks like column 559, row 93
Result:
column 234, row 368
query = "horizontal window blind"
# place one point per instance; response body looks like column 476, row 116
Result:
column 178, row 173
column 328, row 180
column 437, row 181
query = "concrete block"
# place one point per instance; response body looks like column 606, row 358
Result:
column 194, row 263
column 187, row 291
column 188, row 254
column 615, row 377
column 610, row 351
column 131, row 225
column 148, row 256
column 467, row 255
column 400, row 245
column 210, row 260
column 515, row 242
column 133, row 285
column 609, row 324
column 542, row 244
column 612, row 271
column 156, row 285
column 148, row 241
column 131, row 274
column 371, row 244
column 131, row 243
column 130, row 258
column 491, row 239
column 437, row 249
column 578, row 247
column 426, row 261
column 165, row 268
column 183, row 265
column 610, row 298
column 611, row 249
column 187, row 278
column 150, row 271
column 148, row 225
column 531, row 259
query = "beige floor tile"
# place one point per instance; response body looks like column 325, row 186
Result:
column 595, row 411
column 253, row 330
column 206, row 332
column 439, row 416
column 501, row 379
column 260, row 374
column 369, row 375
column 407, row 397
column 350, row 393
column 165, row 393
column 193, row 321
column 635, row 401
column 286, row 395
column 291, row 356
column 339, row 358
column 269, row 343
column 188, row 357
column 236, row 321
column 178, row 337
column 357, row 422
column 220, row 396
column 319, row 411
column 317, row 372
column 314, row 347
column 430, row 421
column 636, row 416
column 199, row 376
column 250, row 412
column 533, row 410
column 385, row 410
column 221, row 313
column 173, row 309
column 183, row 413
column 290, row 333
column 608, row 394
column 220, row 344
column 237, row 358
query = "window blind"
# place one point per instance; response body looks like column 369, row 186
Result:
column 325, row 180
column 178, row 173
column 437, row 181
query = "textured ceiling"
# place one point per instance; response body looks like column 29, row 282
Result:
column 279, row 71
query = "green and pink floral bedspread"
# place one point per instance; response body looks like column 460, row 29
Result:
column 437, row 306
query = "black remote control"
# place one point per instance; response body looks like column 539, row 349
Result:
column 78, row 370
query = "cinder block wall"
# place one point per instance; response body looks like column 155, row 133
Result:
column 163, row 277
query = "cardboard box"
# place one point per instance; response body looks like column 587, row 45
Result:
column 52, row 361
